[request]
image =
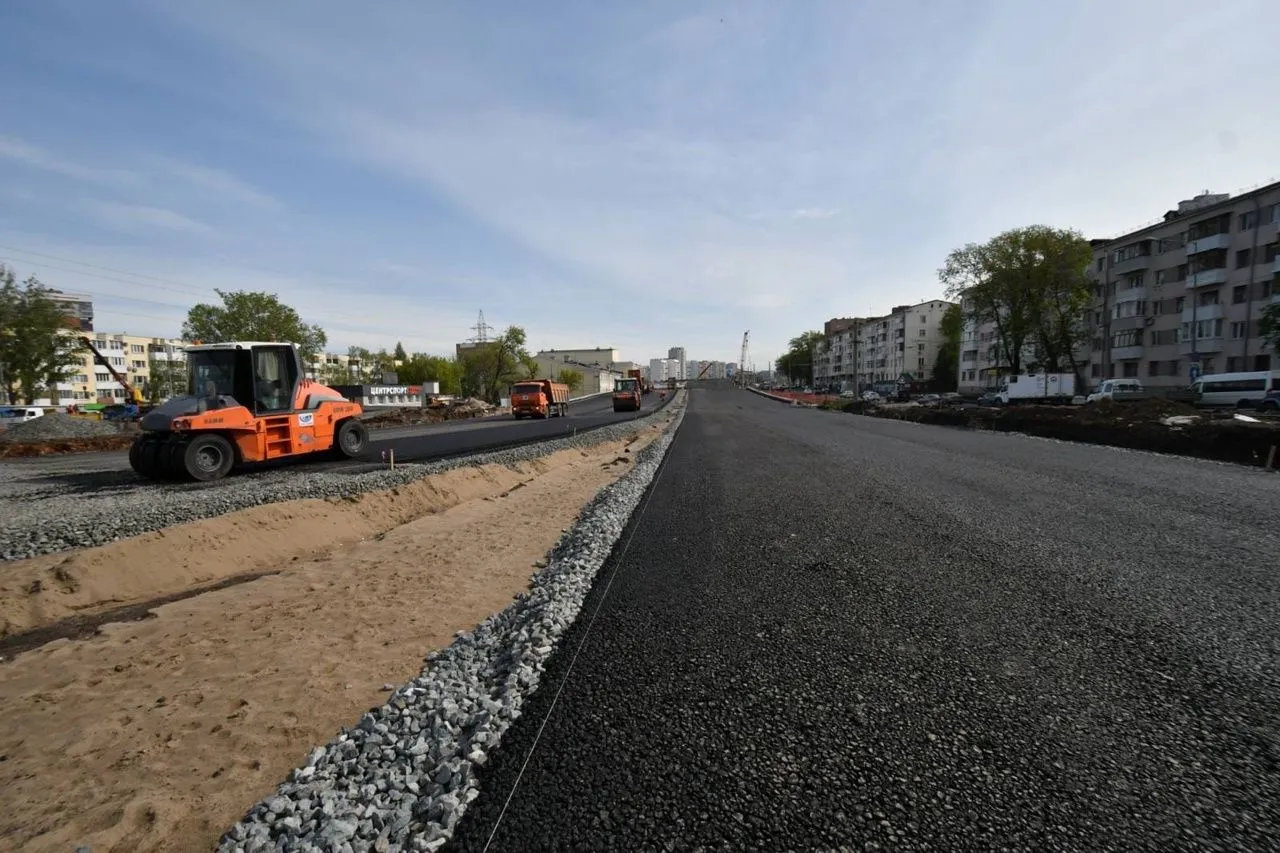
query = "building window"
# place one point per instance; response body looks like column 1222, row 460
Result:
column 1235, row 363
column 1095, row 370
column 1238, row 330
column 1247, row 220
column 1264, row 290
column 1239, row 294
column 1242, row 258
column 1130, row 369
column 1179, row 304
column 1153, row 368
column 1262, row 361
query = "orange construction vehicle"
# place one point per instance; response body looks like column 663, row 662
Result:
column 626, row 395
column 539, row 398
column 247, row 402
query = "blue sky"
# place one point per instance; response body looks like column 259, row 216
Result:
column 640, row 175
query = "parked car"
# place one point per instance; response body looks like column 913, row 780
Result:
column 848, row 395
column 928, row 400
column 871, row 397
column 11, row 415
column 1117, row 389
column 991, row 398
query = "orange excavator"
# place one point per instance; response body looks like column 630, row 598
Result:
column 248, row 402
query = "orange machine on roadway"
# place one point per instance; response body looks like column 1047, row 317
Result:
column 248, row 402
column 539, row 398
column 626, row 395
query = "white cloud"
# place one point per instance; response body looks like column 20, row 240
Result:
column 815, row 213
column 218, row 182
column 142, row 219
column 36, row 157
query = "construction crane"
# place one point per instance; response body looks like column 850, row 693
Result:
column 135, row 396
column 742, row 362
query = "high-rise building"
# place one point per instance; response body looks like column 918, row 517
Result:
column 677, row 353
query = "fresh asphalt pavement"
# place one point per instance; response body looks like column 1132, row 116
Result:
column 825, row 631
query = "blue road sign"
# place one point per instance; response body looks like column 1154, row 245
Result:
column 1194, row 371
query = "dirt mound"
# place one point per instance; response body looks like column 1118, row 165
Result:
column 58, row 426
column 1136, row 426
column 15, row 449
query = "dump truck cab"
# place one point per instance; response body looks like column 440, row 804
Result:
column 247, row 402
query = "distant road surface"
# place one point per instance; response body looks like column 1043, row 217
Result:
column 834, row 632
column 411, row 443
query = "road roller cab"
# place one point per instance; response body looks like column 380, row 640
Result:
column 247, row 402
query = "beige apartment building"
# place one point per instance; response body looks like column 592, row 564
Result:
column 155, row 366
column 857, row 352
column 1186, row 294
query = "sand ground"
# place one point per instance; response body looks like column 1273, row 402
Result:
column 156, row 735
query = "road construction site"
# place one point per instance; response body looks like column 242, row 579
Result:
column 728, row 624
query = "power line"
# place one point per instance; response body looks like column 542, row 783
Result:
column 187, row 287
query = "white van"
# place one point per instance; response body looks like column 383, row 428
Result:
column 10, row 415
column 1116, row 388
column 1241, row 390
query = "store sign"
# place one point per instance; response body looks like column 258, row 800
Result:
column 387, row 390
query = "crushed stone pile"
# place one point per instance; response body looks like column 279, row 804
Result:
column 57, row 426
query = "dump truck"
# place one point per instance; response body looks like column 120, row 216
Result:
column 638, row 375
column 247, row 402
column 626, row 395
column 539, row 398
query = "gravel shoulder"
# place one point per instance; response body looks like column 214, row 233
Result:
column 157, row 735
column 864, row 634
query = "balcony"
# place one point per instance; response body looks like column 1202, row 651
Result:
column 1216, row 311
column 1124, row 324
column 1204, row 346
column 1275, row 265
column 1131, row 294
column 1208, row 277
column 1208, row 244
column 1141, row 262
column 1126, row 353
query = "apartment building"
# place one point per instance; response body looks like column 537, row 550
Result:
column 155, row 366
column 1183, row 297
column 857, row 352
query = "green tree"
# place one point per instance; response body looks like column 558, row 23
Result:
column 572, row 378
column 400, row 354
column 252, row 316
column 1269, row 327
column 420, row 368
column 489, row 368
column 797, row 362
column 37, row 347
column 1030, row 284
column 165, row 379
column 946, row 366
